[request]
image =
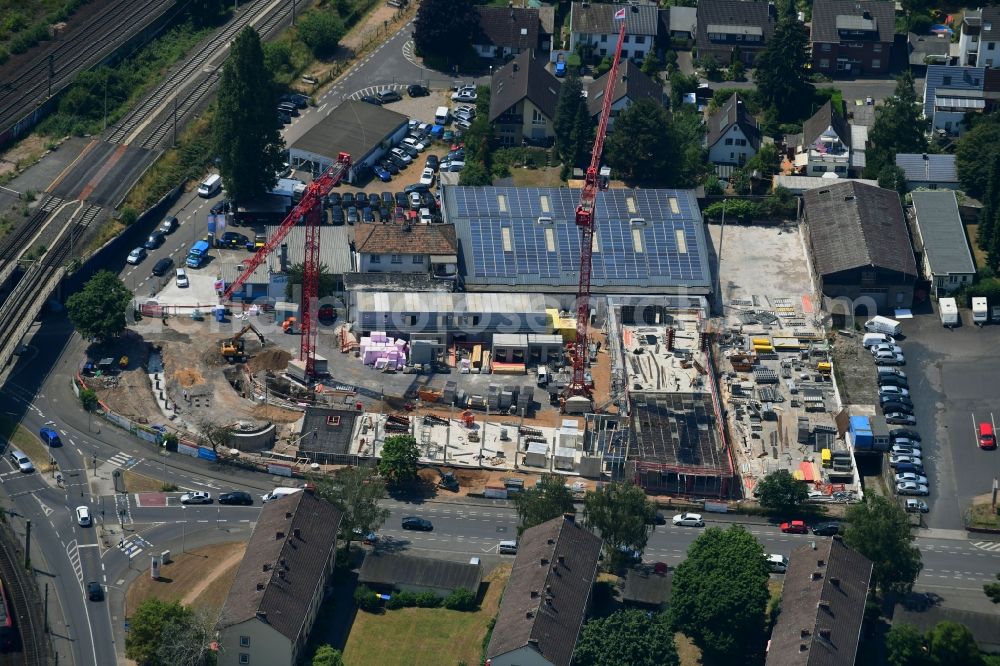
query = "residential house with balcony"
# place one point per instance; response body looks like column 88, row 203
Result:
column 952, row 92
column 728, row 28
column 825, row 144
column 979, row 41
column 733, row 135
column 852, row 37
column 523, row 100
column 593, row 24
column 405, row 248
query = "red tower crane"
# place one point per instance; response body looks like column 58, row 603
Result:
column 309, row 209
column 579, row 386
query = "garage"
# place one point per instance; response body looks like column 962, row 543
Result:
column 363, row 130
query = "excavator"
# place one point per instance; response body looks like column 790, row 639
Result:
column 232, row 349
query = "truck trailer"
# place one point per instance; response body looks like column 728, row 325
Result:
column 980, row 313
column 949, row 312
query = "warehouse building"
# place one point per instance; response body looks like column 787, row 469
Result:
column 526, row 240
column 363, row 130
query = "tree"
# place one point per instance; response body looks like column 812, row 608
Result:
column 982, row 140
column 187, row 641
column 626, row 637
column 246, row 135
column 321, row 31
column 327, row 283
column 719, row 596
column 951, row 644
column 214, row 435
column 582, row 137
column 100, row 309
column 986, row 229
column 781, row 491
column 549, row 499
column 445, row 28
column 781, row 75
column 146, row 629
column 892, row 177
column 992, row 591
column 878, row 529
column 327, row 656
column 570, row 99
column 680, row 85
column 88, row 399
column 398, row 461
column 474, row 174
column 356, row 491
column 767, row 160
column 639, row 146
column 898, row 128
column 904, row 646
column 622, row 514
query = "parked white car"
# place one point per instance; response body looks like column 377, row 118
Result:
column 427, row 176
column 401, row 155
column 181, row 278
column 777, row 563
column 902, row 477
column 896, row 459
column 416, row 145
column 892, row 390
column 688, row 520
column 464, row 94
column 911, row 488
column 891, row 349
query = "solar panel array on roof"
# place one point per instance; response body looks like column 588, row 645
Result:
column 525, row 236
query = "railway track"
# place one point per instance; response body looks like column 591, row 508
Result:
column 33, row 646
column 82, row 48
column 154, row 134
column 168, row 86
column 14, row 242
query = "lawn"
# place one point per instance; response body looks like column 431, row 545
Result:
column 140, row 483
column 201, row 577
column 22, row 438
column 425, row 635
column 547, row 177
column 972, row 231
column 984, row 515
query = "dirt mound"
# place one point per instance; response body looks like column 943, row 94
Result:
column 188, row 377
column 275, row 414
column 269, row 359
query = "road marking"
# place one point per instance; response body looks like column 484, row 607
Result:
column 73, row 553
column 46, row 509
column 992, row 546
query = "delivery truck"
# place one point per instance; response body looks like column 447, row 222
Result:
column 948, row 310
column 980, row 313
column 198, row 254
column 880, row 324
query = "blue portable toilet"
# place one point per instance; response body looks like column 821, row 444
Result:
column 220, row 314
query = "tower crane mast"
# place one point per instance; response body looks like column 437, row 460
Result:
column 309, row 209
column 585, row 210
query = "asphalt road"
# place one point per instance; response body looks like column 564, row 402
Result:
column 952, row 376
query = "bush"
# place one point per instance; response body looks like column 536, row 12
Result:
column 461, row 599
column 428, row 600
column 321, row 32
column 735, row 208
column 128, row 216
column 365, row 599
column 399, row 600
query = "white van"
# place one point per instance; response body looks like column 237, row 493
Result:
column 875, row 339
column 543, row 375
column 442, row 115
column 508, row 548
column 278, row 493
column 879, row 324
column 210, row 186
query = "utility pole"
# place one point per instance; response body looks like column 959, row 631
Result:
column 46, row 608
column 293, row 12
column 27, row 543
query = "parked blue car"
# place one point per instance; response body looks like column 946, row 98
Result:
column 382, row 174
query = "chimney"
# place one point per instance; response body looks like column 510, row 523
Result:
column 283, row 258
column 569, row 517
column 533, row 642
column 816, row 575
column 821, row 563
column 262, row 616
column 824, row 633
column 548, row 589
column 260, row 586
column 924, row 156
column 528, row 615
column 835, row 582
column 825, row 605
column 281, row 574
column 297, row 532
column 284, row 564
column 544, row 561
column 266, row 567
column 288, row 514
column 804, row 633
column 534, row 594
column 278, row 536
column 561, row 559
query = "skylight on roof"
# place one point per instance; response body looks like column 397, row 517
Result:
column 637, row 241
column 550, row 240
column 674, row 207
column 630, row 205
column 502, row 202
column 508, row 246
column 543, row 201
column 682, row 246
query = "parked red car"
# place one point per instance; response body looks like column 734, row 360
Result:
column 794, row 527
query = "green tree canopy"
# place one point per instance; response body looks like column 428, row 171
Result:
column 100, row 309
column 878, row 529
column 146, row 629
column 639, row 146
column 246, row 132
column 626, row 637
column 327, row 283
column 549, row 499
column 321, row 31
column 720, row 594
column 992, row 591
column 327, row 656
column 187, row 641
column 983, row 140
column 899, row 128
column 622, row 514
column 445, row 28
column 781, row 75
column 215, row 435
column 951, row 644
column 904, row 645
column 782, row 491
column 88, row 399
column 570, row 97
column 398, row 459
column 356, row 491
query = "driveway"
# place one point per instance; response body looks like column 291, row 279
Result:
column 952, row 377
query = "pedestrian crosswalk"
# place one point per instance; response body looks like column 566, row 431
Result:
column 133, row 545
column 120, row 459
column 987, row 545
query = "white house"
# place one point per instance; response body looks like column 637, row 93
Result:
column 417, row 248
column 825, row 146
column 733, row 135
column 952, row 92
column 593, row 23
column 979, row 41
column 272, row 603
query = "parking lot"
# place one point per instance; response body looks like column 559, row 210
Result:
column 952, row 377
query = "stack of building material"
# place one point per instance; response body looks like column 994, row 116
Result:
column 383, row 352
